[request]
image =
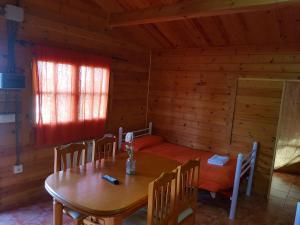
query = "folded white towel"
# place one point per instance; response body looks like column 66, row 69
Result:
column 218, row 160
column 129, row 137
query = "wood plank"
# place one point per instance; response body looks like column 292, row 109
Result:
column 192, row 9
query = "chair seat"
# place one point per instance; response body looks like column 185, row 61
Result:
column 185, row 214
column 138, row 218
column 73, row 214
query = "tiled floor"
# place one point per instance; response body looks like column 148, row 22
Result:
column 285, row 190
column 279, row 210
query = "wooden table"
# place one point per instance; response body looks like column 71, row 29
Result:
column 83, row 189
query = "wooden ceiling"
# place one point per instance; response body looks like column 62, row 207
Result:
column 268, row 27
column 279, row 26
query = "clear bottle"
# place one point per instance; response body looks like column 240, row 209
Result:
column 130, row 166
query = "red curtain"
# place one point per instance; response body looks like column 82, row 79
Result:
column 71, row 95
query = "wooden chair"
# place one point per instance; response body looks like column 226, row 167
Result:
column 104, row 148
column 91, row 220
column 161, row 204
column 187, row 191
column 74, row 150
column 162, row 200
column 76, row 155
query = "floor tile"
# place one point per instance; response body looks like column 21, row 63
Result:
column 254, row 210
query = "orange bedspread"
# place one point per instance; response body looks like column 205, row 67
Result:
column 212, row 178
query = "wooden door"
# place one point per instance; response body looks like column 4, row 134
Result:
column 288, row 141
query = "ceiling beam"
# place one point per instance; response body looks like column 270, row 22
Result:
column 193, row 9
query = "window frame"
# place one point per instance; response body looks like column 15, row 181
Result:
column 105, row 81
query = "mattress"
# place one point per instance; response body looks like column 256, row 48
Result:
column 211, row 178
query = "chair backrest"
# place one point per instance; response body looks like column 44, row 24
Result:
column 187, row 185
column 74, row 150
column 104, row 148
column 162, row 199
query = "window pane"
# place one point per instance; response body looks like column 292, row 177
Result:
column 86, row 107
column 96, row 106
column 65, row 109
column 86, row 79
column 57, row 83
column 94, row 92
column 98, row 78
column 105, row 83
column 103, row 106
column 47, row 109
column 104, row 96
column 65, row 73
column 46, row 76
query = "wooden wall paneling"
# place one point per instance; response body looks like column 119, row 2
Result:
column 148, row 90
column 127, row 104
column 268, row 30
column 188, row 103
column 193, row 93
column 256, row 116
column 287, row 24
column 130, row 94
column 233, row 110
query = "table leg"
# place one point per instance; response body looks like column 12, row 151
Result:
column 57, row 213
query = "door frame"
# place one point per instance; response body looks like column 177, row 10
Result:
column 285, row 81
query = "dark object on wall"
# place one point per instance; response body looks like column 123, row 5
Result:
column 12, row 81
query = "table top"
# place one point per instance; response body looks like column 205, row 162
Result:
column 83, row 189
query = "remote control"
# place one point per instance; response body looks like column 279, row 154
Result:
column 110, row 179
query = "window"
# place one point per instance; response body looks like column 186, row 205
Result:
column 57, row 101
column 70, row 98
column 93, row 93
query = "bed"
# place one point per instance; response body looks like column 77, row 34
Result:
column 215, row 179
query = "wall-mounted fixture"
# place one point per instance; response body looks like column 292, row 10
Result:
column 14, row 13
column 11, row 79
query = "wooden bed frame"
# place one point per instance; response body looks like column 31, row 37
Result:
column 136, row 133
column 244, row 167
